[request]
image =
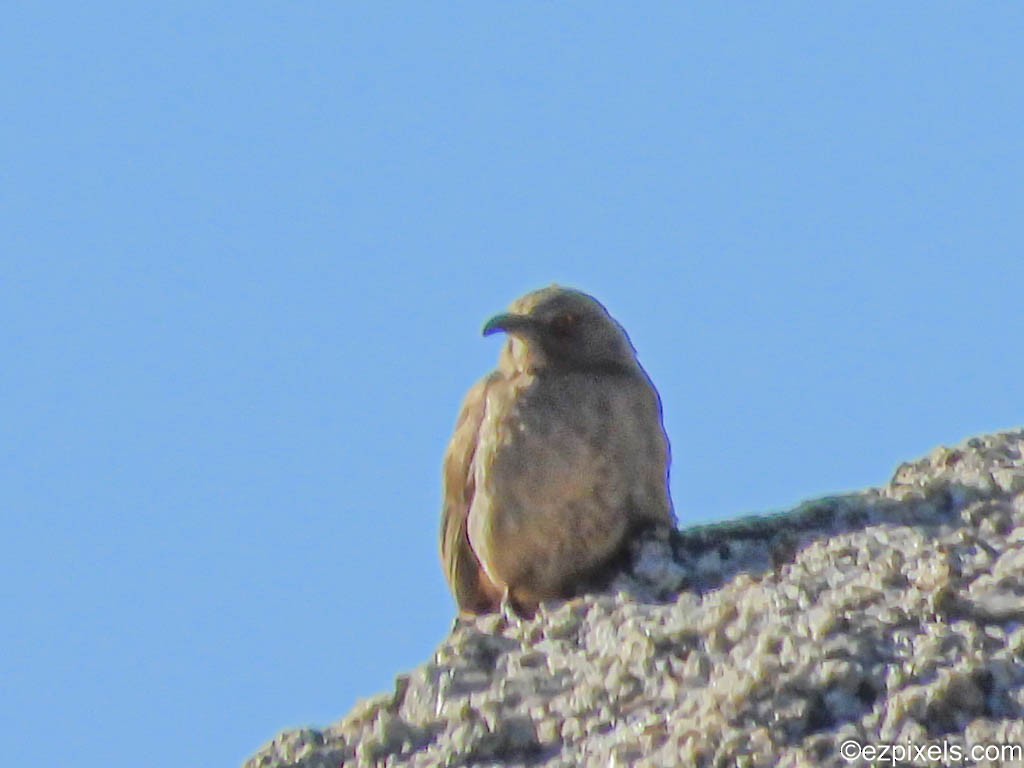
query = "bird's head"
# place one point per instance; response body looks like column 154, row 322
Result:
column 560, row 328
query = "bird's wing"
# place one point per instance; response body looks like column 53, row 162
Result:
column 660, row 511
column 473, row 591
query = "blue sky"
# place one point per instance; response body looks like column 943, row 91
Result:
column 247, row 250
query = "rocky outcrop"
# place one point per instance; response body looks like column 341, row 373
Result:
column 890, row 619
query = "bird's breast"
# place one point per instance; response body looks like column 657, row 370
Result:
column 557, row 432
column 556, row 465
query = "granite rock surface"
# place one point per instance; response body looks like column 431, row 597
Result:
column 891, row 616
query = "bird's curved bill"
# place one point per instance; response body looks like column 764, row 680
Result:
column 509, row 323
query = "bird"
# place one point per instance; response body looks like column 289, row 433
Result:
column 558, row 458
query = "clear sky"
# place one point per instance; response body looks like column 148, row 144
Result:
column 247, row 250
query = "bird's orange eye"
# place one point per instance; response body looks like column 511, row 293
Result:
column 563, row 325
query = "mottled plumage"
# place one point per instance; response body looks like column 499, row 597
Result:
column 557, row 456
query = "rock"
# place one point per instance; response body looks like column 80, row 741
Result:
column 890, row 616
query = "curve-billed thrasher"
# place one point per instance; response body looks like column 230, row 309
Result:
column 557, row 456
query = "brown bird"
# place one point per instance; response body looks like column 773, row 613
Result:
column 557, row 457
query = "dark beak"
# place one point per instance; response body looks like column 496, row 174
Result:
column 509, row 323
